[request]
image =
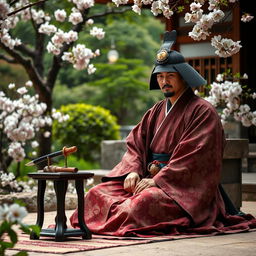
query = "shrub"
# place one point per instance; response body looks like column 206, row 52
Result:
column 86, row 127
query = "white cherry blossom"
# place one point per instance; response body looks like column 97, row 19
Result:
column 39, row 16
column 79, row 57
column 22, row 90
column 16, row 151
column 195, row 7
column 83, row 4
column 91, row 69
column 11, row 86
column 75, row 17
column 47, row 134
column 16, row 213
column 97, row 32
column 47, row 29
column 229, row 94
column 60, row 15
column 89, row 22
column 225, row 47
column 4, row 9
column 136, row 9
column 34, row 144
column 246, row 17
column 120, row 2
column 147, row 2
column 7, row 40
column 29, row 84
column 4, row 210
column 51, row 48
column 21, row 118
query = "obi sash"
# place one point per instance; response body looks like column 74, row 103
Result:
column 159, row 159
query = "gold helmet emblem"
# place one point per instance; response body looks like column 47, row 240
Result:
column 162, row 55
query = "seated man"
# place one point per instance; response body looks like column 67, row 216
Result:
column 167, row 181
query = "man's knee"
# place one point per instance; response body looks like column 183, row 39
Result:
column 147, row 197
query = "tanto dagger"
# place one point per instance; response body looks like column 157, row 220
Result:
column 65, row 152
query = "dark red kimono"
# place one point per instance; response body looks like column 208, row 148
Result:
column 187, row 199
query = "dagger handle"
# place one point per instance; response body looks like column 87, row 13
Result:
column 67, row 151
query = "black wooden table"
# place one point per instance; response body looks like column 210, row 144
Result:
column 60, row 179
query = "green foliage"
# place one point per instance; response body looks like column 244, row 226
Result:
column 6, row 227
column 81, row 164
column 124, row 89
column 11, row 73
column 63, row 95
column 86, row 128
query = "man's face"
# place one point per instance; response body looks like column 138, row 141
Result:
column 171, row 84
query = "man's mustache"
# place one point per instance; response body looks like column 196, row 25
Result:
column 167, row 86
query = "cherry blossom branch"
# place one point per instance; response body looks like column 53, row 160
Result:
column 9, row 60
column 57, row 60
column 25, row 50
column 39, row 84
column 13, row 2
column 39, row 49
column 24, row 7
column 15, row 55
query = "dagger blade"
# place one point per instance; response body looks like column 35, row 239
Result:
column 44, row 158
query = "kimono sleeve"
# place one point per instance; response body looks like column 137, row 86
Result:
column 135, row 157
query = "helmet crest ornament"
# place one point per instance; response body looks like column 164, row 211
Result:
column 163, row 54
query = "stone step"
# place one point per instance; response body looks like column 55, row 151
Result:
column 248, row 186
column 249, row 192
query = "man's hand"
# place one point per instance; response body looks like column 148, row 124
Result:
column 131, row 181
column 143, row 184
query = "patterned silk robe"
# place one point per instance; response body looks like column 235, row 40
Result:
column 186, row 200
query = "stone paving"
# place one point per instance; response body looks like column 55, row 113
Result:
column 241, row 244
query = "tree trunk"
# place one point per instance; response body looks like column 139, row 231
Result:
column 5, row 160
column 44, row 146
column 45, row 142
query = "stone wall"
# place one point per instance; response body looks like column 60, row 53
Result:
column 30, row 201
column 231, row 176
column 112, row 152
column 251, row 160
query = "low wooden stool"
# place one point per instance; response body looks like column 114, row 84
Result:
column 60, row 180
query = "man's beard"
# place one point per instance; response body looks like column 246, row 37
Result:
column 169, row 94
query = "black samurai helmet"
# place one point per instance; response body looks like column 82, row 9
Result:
column 168, row 60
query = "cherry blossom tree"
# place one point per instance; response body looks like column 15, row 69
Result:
column 55, row 32
column 21, row 117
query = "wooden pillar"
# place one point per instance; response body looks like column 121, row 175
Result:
column 236, row 37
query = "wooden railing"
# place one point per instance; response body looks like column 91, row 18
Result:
column 210, row 67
